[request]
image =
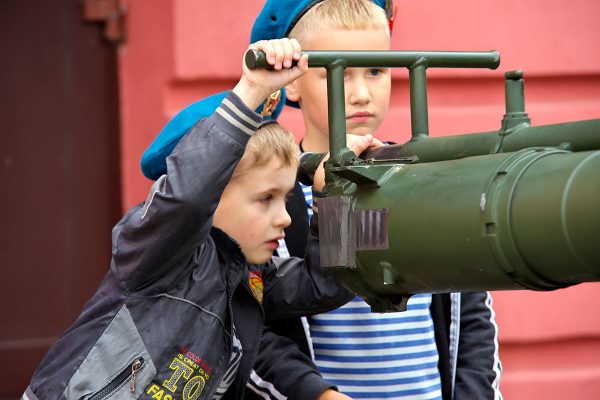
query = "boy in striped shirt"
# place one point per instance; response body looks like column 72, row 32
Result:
column 417, row 354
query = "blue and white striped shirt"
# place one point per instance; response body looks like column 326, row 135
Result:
column 377, row 356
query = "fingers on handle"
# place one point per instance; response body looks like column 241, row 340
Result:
column 288, row 50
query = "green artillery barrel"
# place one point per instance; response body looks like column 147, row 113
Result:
column 523, row 220
column 517, row 208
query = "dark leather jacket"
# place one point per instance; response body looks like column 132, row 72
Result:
column 163, row 317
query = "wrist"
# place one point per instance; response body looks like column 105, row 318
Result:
column 250, row 94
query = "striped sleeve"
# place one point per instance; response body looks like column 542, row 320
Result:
column 234, row 113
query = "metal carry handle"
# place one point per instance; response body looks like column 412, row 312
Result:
column 417, row 62
column 393, row 59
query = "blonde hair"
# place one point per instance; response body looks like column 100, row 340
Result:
column 269, row 141
column 340, row 14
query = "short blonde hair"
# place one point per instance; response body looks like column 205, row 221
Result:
column 340, row 14
column 269, row 141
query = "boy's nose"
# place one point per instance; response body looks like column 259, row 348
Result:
column 358, row 92
column 282, row 219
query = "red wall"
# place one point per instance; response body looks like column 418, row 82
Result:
column 181, row 50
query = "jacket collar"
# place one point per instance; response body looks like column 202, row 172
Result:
column 230, row 256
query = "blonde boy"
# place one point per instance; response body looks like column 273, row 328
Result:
column 179, row 313
column 342, row 25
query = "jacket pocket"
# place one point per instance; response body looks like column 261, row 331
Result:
column 125, row 379
column 118, row 366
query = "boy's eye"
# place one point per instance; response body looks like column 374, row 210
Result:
column 266, row 198
column 375, row 71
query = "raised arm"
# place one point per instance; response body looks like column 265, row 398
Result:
column 177, row 216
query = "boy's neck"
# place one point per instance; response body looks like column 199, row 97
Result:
column 315, row 144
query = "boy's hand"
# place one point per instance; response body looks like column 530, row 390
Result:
column 358, row 144
column 331, row 394
column 255, row 85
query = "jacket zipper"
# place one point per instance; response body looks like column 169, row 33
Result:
column 127, row 374
column 260, row 334
column 230, row 305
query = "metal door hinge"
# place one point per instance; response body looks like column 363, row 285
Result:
column 111, row 12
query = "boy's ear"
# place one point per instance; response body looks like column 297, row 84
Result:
column 291, row 91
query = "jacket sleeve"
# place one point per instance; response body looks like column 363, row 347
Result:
column 478, row 366
column 177, row 215
column 282, row 369
column 300, row 287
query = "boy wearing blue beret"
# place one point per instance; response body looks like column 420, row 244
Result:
column 192, row 275
column 444, row 346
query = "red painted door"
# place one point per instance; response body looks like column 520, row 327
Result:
column 59, row 168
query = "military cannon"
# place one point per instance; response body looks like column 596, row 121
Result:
column 515, row 208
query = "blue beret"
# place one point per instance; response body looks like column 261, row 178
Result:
column 154, row 159
column 278, row 17
column 275, row 21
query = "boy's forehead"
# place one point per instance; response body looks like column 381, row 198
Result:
column 274, row 176
column 278, row 17
column 343, row 39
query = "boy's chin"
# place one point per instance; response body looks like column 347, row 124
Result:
column 361, row 131
column 258, row 258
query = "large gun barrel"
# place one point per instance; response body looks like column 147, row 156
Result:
column 517, row 208
column 523, row 220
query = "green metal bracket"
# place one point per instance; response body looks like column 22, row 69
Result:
column 515, row 101
column 417, row 62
